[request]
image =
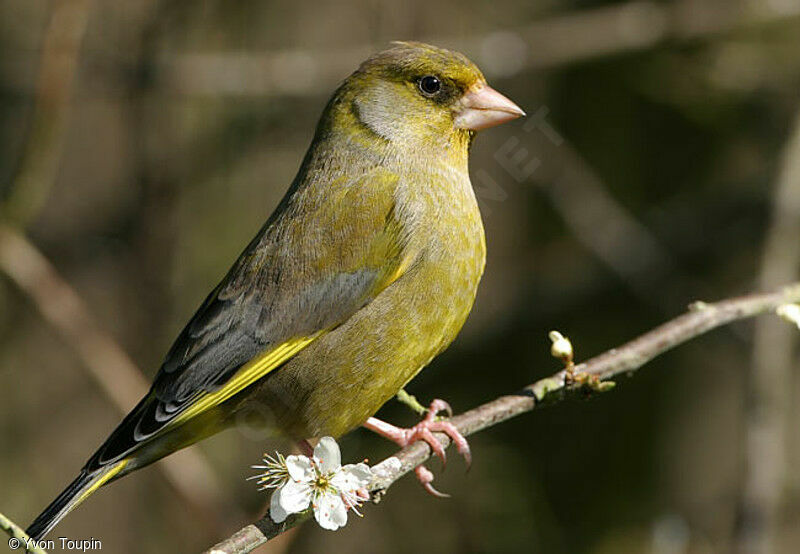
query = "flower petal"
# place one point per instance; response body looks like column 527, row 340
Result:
column 330, row 512
column 327, row 455
column 299, row 468
column 295, row 496
column 361, row 472
column 352, row 477
column 276, row 511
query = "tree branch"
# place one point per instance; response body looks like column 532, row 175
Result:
column 60, row 59
column 18, row 537
column 60, row 305
column 552, row 41
column 629, row 357
column 769, row 408
column 189, row 472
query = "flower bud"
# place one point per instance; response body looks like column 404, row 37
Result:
column 561, row 347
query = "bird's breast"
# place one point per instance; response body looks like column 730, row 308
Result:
column 347, row 374
column 446, row 232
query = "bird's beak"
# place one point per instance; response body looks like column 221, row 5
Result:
column 482, row 107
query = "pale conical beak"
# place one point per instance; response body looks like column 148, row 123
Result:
column 482, row 107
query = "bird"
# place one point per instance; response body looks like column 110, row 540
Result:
column 365, row 271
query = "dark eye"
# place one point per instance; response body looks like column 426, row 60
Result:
column 430, row 85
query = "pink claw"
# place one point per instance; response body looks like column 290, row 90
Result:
column 424, row 431
column 425, row 477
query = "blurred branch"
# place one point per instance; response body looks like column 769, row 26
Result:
column 59, row 64
column 611, row 231
column 550, row 42
column 16, row 533
column 771, row 386
column 187, row 471
column 627, row 358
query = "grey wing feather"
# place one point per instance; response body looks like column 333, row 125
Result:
column 257, row 304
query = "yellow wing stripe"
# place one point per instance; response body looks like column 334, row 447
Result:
column 258, row 367
column 254, row 370
column 400, row 271
column 105, row 478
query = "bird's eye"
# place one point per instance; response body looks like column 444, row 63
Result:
column 430, row 85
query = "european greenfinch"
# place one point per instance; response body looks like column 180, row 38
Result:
column 366, row 270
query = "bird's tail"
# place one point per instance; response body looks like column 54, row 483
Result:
column 77, row 491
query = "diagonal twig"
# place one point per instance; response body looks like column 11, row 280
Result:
column 18, row 537
column 188, row 472
column 627, row 358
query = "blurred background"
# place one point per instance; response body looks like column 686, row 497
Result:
column 143, row 143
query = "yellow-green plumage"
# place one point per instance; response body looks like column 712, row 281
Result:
column 367, row 269
column 343, row 377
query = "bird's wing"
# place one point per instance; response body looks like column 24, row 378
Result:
column 319, row 259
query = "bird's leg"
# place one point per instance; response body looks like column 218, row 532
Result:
column 411, row 401
column 424, row 431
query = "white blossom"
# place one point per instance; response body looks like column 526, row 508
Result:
column 320, row 482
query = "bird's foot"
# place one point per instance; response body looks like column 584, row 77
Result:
column 424, row 431
column 425, row 478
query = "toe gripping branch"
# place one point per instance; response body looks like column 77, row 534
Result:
column 424, row 431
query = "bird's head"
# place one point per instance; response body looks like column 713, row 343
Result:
column 414, row 94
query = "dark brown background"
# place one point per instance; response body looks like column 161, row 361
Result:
column 142, row 143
